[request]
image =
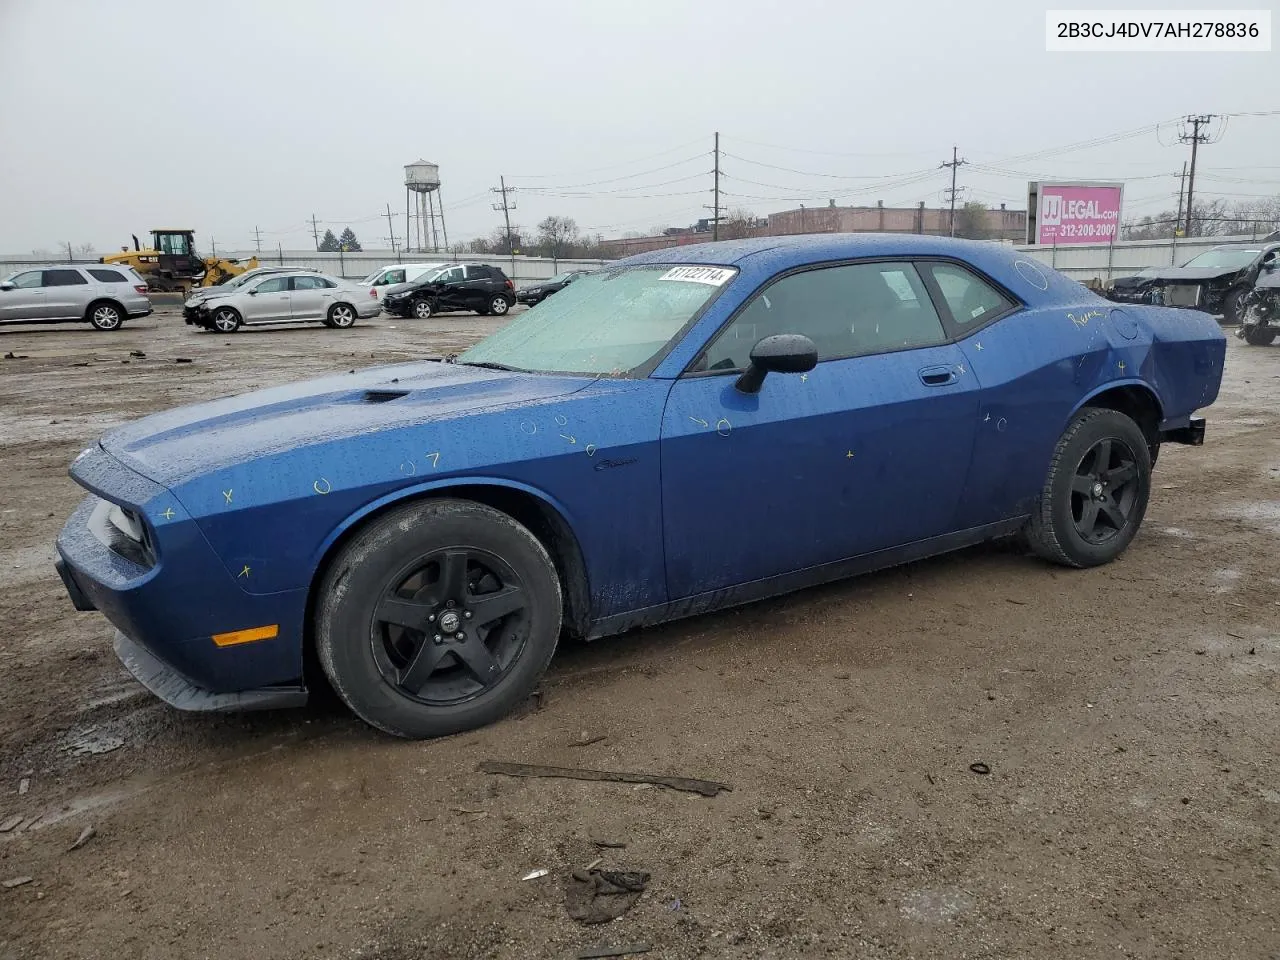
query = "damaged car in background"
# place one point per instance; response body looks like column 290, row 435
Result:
column 1215, row 281
column 681, row 431
column 1260, row 322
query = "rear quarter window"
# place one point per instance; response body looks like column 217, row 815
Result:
column 108, row 276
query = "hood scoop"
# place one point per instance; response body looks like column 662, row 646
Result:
column 382, row 396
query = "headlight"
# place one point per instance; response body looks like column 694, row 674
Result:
column 126, row 522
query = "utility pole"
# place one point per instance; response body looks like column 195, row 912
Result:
column 280, row 251
column 70, row 255
column 1195, row 138
column 506, row 206
column 955, row 164
column 315, row 232
column 392, row 230
column 715, row 223
column 213, row 243
column 1182, row 186
column 257, row 238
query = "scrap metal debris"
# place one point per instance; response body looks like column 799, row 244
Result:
column 596, row 953
column 598, row 896
column 708, row 788
column 24, row 785
column 16, row 882
column 535, row 874
column 586, row 740
column 609, row 844
column 87, row 834
column 15, row 356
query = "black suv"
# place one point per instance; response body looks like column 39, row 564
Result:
column 459, row 286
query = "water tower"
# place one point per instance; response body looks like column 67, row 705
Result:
column 422, row 188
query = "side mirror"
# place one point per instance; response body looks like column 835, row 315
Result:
column 781, row 353
column 253, row 292
column 8, row 285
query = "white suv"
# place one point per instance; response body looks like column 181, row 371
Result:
column 104, row 296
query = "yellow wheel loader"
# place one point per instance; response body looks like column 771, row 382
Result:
column 172, row 264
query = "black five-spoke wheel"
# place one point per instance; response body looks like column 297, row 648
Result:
column 450, row 630
column 1096, row 492
column 437, row 617
column 1104, row 491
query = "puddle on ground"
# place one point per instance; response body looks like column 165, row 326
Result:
column 1261, row 513
column 935, row 906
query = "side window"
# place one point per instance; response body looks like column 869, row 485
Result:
column 274, row 285
column 108, row 276
column 29, row 280
column 847, row 311
column 393, row 276
column 971, row 299
column 63, row 278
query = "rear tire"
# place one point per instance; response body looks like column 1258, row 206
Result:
column 438, row 617
column 498, row 306
column 105, row 315
column 1096, row 492
column 1260, row 336
column 341, row 316
column 226, row 320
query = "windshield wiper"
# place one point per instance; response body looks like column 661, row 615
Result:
column 489, row 365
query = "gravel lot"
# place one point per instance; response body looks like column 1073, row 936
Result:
column 1129, row 718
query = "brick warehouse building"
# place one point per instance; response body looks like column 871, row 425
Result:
column 997, row 224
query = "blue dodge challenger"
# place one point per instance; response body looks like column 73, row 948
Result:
column 679, row 432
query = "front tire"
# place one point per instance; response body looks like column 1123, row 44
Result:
column 226, row 320
column 106, row 316
column 438, row 617
column 1232, row 305
column 1096, row 492
column 423, row 309
column 341, row 316
column 1258, row 336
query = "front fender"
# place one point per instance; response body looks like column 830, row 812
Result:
column 405, row 494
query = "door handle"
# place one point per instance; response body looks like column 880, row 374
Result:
column 937, row 376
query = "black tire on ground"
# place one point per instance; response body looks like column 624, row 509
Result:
column 499, row 305
column 454, row 570
column 1096, row 492
column 341, row 316
column 423, row 309
column 483, row 311
column 105, row 315
column 1231, row 306
column 1260, row 336
column 225, row 320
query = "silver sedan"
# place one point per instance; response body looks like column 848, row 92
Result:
column 304, row 296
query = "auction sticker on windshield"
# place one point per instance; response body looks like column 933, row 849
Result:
column 715, row 276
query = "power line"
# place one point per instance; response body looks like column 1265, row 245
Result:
column 829, row 153
column 629, row 176
column 955, row 164
column 1195, row 138
column 506, row 206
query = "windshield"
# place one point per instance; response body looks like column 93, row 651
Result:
column 610, row 322
column 371, row 277
column 1225, row 259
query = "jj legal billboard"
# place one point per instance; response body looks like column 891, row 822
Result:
column 1060, row 214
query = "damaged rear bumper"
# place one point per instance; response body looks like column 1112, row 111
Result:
column 1191, row 433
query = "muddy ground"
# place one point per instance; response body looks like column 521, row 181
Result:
column 1128, row 717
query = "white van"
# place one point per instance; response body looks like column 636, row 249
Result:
column 395, row 273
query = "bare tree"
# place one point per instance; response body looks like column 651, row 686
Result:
column 85, row 250
column 738, row 224
column 971, row 221
column 556, row 236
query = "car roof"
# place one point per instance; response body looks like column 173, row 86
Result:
column 811, row 248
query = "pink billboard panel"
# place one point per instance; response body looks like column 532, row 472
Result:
column 1077, row 214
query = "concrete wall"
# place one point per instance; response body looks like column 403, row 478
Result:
column 1084, row 262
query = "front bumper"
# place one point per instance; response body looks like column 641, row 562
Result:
column 172, row 602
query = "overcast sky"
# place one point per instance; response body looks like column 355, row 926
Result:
column 125, row 115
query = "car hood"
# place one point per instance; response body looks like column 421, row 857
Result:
column 1193, row 274
column 178, row 445
column 394, row 288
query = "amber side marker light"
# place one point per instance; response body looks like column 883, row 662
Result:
column 246, row 636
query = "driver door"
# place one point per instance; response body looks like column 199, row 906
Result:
column 27, row 300
column 867, row 451
column 450, row 293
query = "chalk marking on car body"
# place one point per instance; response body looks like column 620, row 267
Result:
column 315, row 485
